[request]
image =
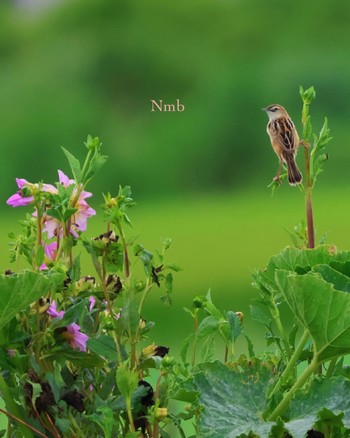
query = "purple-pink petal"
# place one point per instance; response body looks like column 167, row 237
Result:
column 78, row 339
column 84, row 195
column 50, row 251
column 92, row 302
column 64, row 180
column 52, row 311
column 21, row 182
column 16, row 200
column 51, row 226
column 49, row 188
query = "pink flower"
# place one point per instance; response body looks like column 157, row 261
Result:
column 18, row 200
column 79, row 219
column 75, row 338
column 50, row 254
column 92, row 302
column 52, row 311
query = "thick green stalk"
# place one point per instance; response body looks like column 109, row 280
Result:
column 130, row 417
column 291, row 364
column 279, row 411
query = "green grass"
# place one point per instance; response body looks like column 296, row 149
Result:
column 218, row 240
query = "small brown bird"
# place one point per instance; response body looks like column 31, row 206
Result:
column 284, row 140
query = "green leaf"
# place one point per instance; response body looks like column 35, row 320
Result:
column 235, row 325
column 78, row 358
column 250, row 346
column 68, row 213
column 323, row 311
column 104, row 418
column 297, row 260
column 39, row 256
column 71, row 315
column 74, row 165
column 127, row 380
column 232, row 402
column 95, row 165
column 259, row 315
column 325, row 400
column 339, row 281
column 173, row 267
column 307, row 129
column 19, row 290
column 208, row 326
column 103, row 346
column 74, row 270
column 130, row 316
column 184, row 348
column 56, row 381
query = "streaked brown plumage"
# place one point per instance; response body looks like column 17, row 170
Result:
column 284, row 140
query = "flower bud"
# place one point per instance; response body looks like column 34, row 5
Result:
column 149, row 351
column 198, row 301
column 240, row 315
column 168, row 362
column 85, row 283
column 142, row 323
column 161, row 413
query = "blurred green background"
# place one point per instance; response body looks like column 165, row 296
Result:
column 199, row 176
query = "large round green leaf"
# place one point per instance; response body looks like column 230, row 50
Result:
column 323, row 310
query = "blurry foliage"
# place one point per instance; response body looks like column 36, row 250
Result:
column 88, row 66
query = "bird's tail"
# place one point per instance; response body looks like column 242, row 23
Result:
column 294, row 175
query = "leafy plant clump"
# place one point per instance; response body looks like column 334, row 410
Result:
column 76, row 356
column 299, row 388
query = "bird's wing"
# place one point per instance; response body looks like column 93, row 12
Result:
column 285, row 129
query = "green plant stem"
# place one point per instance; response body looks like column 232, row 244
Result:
column 291, row 364
column 194, row 346
column 102, row 276
column 130, row 417
column 156, row 397
column 126, row 255
column 277, row 319
column 39, row 231
column 308, row 200
column 133, row 355
column 279, row 411
column 78, row 432
column 85, row 166
column 148, row 287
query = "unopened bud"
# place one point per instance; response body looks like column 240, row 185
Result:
column 142, row 323
column 240, row 315
column 161, row 413
column 85, row 283
column 149, row 351
column 197, row 302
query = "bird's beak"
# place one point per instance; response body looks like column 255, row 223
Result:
column 263, row 109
